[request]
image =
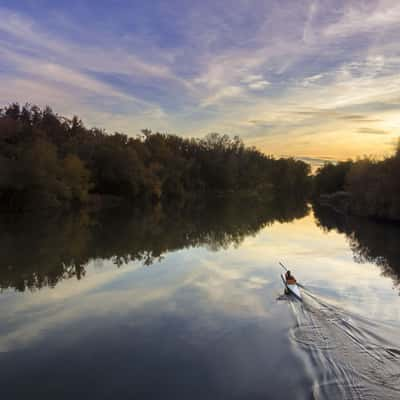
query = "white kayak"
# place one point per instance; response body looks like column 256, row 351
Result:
column 293, row 289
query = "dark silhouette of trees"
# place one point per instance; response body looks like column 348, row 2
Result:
column 331, row 178
column 367, row 187
column 50, row 161
column 375, row 187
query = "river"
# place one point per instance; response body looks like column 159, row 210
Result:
column 188, row 302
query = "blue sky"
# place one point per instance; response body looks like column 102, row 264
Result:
column 316, row 78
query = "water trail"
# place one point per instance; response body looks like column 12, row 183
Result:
column 348, row 358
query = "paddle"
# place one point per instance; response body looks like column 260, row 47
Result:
column 298, row 284
column 283, row 266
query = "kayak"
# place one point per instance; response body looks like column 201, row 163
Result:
column 292, row 288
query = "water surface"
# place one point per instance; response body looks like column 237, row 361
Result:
column 189, row 304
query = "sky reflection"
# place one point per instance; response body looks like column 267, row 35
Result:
column 239, row 283
column 204, row 322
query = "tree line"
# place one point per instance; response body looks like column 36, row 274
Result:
column 365, row 187
column 47, row 160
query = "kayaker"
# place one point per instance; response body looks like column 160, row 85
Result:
column 290, row 279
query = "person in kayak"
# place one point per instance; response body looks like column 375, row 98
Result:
column 290, row 279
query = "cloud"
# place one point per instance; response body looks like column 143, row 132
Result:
column 65, row 76
column 258, row 122
column 259, row 85
column 317, row 162
column 317, row 112
column 308, row 34
column 311, row 79
column 359, row 18
column 228, row 92
column 307, row 74
column 252, row 78
column 372, row 131
column 337, row 114
column 359, row 118
column 94, row 57
column 317, row 159
column 45, row 68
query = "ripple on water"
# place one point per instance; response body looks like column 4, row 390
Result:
column 349, row 360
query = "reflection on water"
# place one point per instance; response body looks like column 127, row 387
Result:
column 38, row 251
column 203, row 321
column 371, row 241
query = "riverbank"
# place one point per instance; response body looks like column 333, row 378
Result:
column 345, row 203
column 365, row 187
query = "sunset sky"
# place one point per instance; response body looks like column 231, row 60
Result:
column 319, row 80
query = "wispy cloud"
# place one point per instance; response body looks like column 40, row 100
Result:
column 286, row 76
column 361, row 17
column 33, row 39
column 372, row 131
column 259, row 85
column 227, row 92
column 359, row 118
column 309, row 80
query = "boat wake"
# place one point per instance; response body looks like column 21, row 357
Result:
column 346, row 356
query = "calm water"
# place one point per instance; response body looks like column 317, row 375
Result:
column 189, row 304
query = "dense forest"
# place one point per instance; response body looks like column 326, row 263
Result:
column 365, row 187
column 49, row 161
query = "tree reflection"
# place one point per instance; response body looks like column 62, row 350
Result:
column 371, row 241
column 39, row 251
